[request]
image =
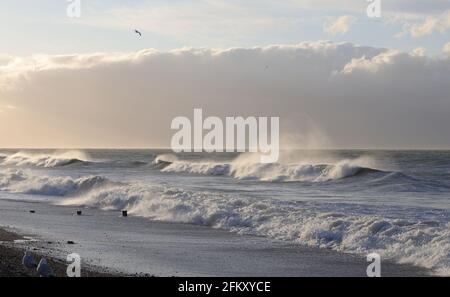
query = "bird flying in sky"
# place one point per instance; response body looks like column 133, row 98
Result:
column 137, row 32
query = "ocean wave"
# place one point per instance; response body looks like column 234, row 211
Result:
column 422, row 240
column 45, row 160
column 398, row 182
column 18, row 181
column 346, row 229
column 275, row 172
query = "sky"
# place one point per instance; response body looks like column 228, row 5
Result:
column 336, row 78
column 42, row 26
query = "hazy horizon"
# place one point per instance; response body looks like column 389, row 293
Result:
column 169, row 149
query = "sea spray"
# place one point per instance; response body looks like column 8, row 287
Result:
column 18, row 181
column 245, row 167
column 45, row 160
column 190, row 137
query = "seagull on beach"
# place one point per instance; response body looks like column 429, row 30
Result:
column 29, row 261
column 137, row 32
column 43, row 269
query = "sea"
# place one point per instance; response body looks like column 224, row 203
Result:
column 395, row 203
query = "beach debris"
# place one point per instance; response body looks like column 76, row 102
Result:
column 124, row 213
column 70, row 242
column 29, row 261
column 43, row 269
column 79, row 212
column 32, row 211
column 138, row 33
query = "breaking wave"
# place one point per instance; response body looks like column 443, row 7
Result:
column 18, row 181
column 276, row 172
column 424, row 242
column 45, row 160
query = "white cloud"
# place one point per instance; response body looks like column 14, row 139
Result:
column 341, row 25
column 360, row 96
column 422, row 7
column 446, row 48
column 220, row 23
column 430, row 25
column 420, row 52
column 216, row 20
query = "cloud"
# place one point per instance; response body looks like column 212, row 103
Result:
column 358, row 96
column 446, row 48
column 341, row 25
column 221, row 22
column 391, row 6
column 430, row 25
column 420, row 51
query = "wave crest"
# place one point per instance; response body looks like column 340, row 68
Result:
column 17, row 181
column 45, row 160
column 272, row 172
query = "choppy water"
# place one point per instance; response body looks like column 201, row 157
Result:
column 396, row 203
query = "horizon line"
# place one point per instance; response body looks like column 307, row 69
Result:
column 169, row 149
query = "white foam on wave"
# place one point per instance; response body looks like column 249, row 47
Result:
column 18, row 181
column 246, row 168
column 420, row 239
column 406, row 241
column 45, row 160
